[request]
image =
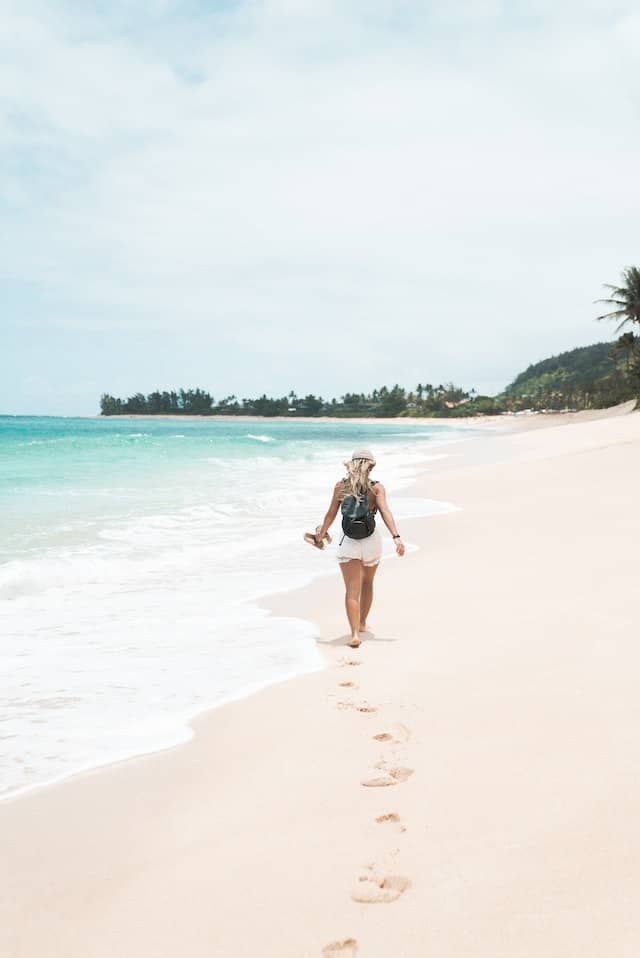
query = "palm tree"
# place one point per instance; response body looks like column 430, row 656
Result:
column 627, row 348
column 625, row 299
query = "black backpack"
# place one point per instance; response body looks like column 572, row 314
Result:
column 357, row 518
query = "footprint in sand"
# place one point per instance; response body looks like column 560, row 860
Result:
column 393, row 775
column 358, row 706
column 388, row 817
column 351, row 662
column 373, row 889
column 347, row 947
column 399, row 735
column 391, row 818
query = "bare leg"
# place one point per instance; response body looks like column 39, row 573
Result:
column 366, row 594
column 352, row 575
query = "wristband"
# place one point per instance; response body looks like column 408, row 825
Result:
column 397, row 537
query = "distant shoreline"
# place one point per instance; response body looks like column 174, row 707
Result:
column 417, row 420
column 524, row 419
column 533, row 416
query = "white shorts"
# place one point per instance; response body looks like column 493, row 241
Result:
column 368, row 550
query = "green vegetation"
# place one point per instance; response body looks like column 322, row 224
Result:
column 590, row 377
column 584, row 378
column 384, row 403
column 625, row 300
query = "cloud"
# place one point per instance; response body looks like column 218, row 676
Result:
column 444, row 186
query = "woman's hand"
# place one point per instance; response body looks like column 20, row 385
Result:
column 399, row 544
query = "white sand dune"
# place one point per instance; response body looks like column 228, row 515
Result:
column 464, row 784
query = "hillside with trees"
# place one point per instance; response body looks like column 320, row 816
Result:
column 589, row 377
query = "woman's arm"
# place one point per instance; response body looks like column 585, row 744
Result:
column 332, row 512
column 389, row 521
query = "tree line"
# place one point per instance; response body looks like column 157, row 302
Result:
column 589, row 377
column 424, row 400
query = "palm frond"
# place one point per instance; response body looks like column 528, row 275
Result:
column 614, row 302
column 613, row 314
column 625, row 298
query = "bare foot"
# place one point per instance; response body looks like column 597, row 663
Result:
column 355, row 642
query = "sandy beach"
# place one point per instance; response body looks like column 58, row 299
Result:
column 464, row 784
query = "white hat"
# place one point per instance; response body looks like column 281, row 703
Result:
column 363, row 454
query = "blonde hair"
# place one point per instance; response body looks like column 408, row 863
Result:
column 357, row 482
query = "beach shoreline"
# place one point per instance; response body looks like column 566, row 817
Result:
column 509, row 421
column 369, row 420
column 264, row 812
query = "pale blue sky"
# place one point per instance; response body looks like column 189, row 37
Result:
column 326, row 196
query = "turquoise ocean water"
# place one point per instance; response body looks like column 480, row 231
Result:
column 131, row 555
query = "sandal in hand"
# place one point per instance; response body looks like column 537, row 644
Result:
column 312, row 539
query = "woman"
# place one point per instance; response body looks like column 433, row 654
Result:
column 359, row 557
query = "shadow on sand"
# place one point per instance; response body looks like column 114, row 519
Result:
column 346, row 638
